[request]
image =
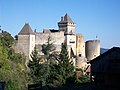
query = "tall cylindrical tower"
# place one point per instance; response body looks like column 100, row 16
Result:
column 92, row 49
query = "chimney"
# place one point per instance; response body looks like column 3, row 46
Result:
column 62, row 18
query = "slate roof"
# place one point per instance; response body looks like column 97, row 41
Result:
column 66, row 18
column 117, row 49
column 26, row 30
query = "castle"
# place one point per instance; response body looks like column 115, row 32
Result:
column 79, row 50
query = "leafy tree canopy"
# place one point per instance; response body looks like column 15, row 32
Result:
column 6, row 39
column 12, row 65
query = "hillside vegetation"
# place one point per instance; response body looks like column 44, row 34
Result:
column 12, row 65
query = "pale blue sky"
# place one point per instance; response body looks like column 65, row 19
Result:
column 93, row 17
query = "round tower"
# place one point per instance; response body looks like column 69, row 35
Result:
column 92, row 49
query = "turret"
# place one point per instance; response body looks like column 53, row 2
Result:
column 92, row 49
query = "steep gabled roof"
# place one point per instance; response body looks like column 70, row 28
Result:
column 117, row 49
column 26, row 30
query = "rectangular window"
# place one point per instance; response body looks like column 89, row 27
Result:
column 72, row 42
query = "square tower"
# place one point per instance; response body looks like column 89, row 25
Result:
column 67, row 25
column 26, row 41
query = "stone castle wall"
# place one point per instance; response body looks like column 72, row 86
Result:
column 57, row 37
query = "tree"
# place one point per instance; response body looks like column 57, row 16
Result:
column 82, row 79
column 6, row 39
column 35, row 67
column 41, row 72
column 49, row 51
column 50, row 56
column 65, row 65
column 12, row 65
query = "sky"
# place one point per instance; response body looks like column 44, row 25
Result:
column 93, row 18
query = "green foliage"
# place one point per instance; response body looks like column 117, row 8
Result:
column 35, row 67
column 79, row 69
column 6, row 39
column 49, row 72
column 49, row 51
column 42, row 72
column 48, row 47
column 65, row 65
column 13, row 69
column 82, row 79
column 12, row 65
column 50, row 57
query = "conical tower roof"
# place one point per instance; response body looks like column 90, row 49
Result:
column 67, row 18
column 26, row 30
